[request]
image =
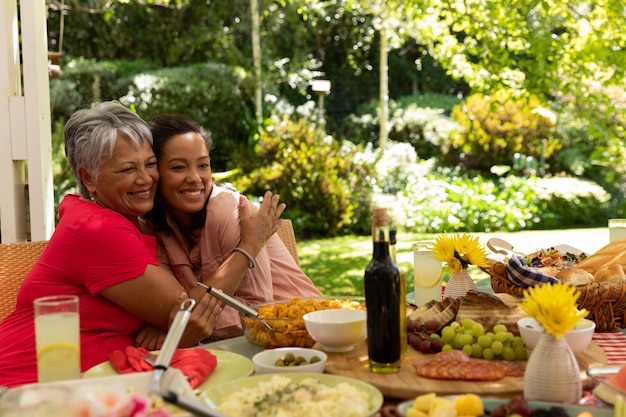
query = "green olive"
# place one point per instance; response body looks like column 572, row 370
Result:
column 292, row 360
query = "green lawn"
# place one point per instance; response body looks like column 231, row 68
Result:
column 336, row 265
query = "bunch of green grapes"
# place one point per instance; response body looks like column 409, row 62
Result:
column 472, row 338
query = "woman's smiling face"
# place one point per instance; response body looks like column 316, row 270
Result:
column 185, row 171
column 127, row 181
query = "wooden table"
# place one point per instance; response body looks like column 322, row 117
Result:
column 405, row 384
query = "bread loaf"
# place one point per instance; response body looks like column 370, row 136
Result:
column 614, row 252
column 575, row 276
column 608, row 263
column 610, row 272
column 489, row 310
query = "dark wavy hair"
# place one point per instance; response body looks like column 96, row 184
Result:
column 163, row 128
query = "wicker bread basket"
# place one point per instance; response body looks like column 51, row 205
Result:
column 605, row 301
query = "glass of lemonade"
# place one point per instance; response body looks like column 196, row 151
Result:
column 426, row 274
column 617, row 229
column 57, row 337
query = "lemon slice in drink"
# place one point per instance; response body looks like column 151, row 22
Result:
column 423, row 282
column 58, row 361
column 427, row 271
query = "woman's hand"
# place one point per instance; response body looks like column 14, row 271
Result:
column 257, row 228
column 199, row 327
column 203, row 317
column 150, row 337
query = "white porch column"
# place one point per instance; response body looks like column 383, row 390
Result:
column 26, row 191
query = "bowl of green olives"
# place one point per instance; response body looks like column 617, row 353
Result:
column 289, row 360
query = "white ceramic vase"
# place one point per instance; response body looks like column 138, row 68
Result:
column 552, row 372
column 459, row 284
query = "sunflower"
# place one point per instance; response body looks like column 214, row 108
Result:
column 458, row 251
column 554, row 306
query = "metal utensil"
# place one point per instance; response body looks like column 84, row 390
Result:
column 236, row 304
column 600, row 375
column 188, row 404
column 150, row 359
column 169, row 345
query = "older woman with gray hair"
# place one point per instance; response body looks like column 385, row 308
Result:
column 98, row 253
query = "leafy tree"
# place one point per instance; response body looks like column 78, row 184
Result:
column 572, row 53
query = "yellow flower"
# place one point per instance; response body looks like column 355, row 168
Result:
column 554, row 306
column 458, row 251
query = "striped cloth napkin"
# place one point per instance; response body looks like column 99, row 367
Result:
column 520, row 274
column 614, row 346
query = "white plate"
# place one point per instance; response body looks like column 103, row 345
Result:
column 229, row 366
column 492, row 403
column 173, row 380
column 216, row 394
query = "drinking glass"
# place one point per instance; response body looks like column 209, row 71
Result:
column 57, row 337
column 617, row 229
column 426, row 274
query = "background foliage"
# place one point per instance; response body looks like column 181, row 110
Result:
column 481, row 114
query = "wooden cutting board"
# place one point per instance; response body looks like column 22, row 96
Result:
column 406, row 385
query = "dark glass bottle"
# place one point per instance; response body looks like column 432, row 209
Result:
column 382, row 300
column 403, row 330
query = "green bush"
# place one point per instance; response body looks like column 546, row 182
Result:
column 215, row 95
column 453, row 201
column 571, row 202
column 85, row 81
column 447, row 200
column 443, row 102
column 394, row 167
column 418, row 120
column 326, row 187
column 493, row 129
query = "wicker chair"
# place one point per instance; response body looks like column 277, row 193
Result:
column 288, row 236
column 16, row 260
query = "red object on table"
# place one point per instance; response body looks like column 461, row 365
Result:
column 613, row 344
column 195, row 364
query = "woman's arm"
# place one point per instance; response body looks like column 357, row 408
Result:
column 156, row 296
column 153, row 295
column 256, row 229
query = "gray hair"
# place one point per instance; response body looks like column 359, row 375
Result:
column 90, row 136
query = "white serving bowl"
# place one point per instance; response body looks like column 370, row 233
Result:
column 578, row 338
column 337, row 330
column 265, row 362
column 285, row 319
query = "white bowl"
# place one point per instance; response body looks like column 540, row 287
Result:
column 578, row 338
column 337, row 330
column 99, row 393
column 265, row 362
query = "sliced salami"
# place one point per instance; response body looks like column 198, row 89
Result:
column 450, row 355
column 460, row 370
column 512, row 368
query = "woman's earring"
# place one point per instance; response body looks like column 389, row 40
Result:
column 92, row 197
